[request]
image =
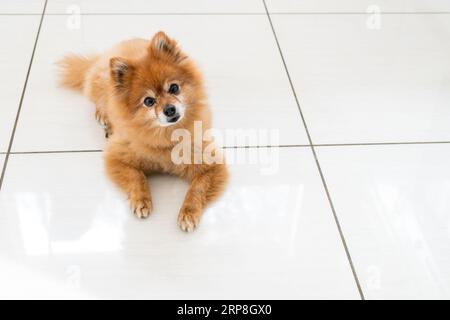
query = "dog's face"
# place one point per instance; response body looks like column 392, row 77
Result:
column 161, row 89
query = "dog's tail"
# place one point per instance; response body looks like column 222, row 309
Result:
column 73, row 69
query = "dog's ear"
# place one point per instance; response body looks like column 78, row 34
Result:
column 121, row 71
column 164, row 47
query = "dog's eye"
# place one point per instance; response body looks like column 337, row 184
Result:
column 174, row 88
column 149, row 101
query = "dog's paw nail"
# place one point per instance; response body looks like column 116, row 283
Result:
column 142, row 208
column 101, row 119
column 188, row 222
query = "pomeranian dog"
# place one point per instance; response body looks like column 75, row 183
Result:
column 143, row 91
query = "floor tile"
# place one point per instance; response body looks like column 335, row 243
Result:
column 22, row 7
column 154, row 6
column 358, row 84
column 15, row 54
column 2, row 160
column 272, row 234
column 357, row 6
column 393, row 205
column 242, row 96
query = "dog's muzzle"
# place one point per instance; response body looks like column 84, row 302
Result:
column 171, row 114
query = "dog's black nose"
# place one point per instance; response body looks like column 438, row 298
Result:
column 169, row 110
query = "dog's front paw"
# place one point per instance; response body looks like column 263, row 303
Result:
column 189, row 218
column 141, row 208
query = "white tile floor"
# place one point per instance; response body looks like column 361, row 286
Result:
column 65, row 231
column 395, row 215
column 15, row 55
column 398, row 76
column 2, row 159
column 357, row 6
column 22, row 7
column 156, row 6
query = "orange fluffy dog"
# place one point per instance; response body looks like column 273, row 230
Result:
column 143, row 91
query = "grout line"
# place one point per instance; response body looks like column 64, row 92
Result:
column 162, row 14
column 356, row 12
column 320, row 145
column 56, row 151
column 227, row 13
column 378, row 143
column 344, row 243
column 268, row 146
column 21, row 97
column 19, row 14
column 142, row 14
column 100, row 150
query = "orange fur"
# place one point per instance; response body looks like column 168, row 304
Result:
column 74, row 68
column 138, row 145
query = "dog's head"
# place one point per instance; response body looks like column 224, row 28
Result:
column 160, row 90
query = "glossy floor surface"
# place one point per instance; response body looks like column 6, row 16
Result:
column 349, row 201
